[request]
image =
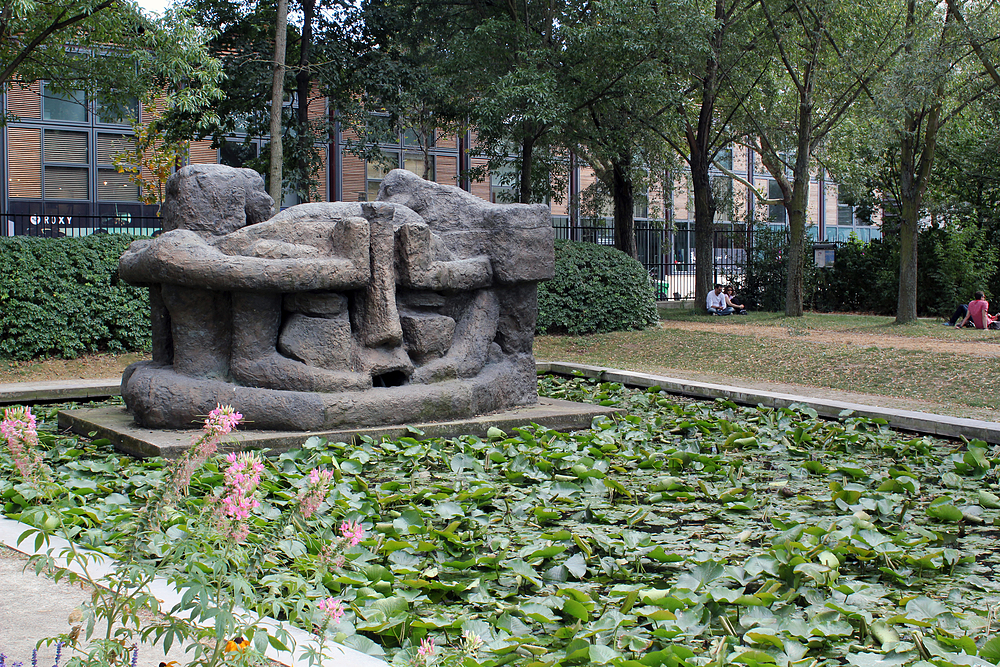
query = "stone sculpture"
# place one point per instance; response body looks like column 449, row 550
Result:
column 417, row 307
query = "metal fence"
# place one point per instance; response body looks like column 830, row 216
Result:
column 668, row 255
column 59, row 226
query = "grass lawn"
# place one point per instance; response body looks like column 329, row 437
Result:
column 866, row 354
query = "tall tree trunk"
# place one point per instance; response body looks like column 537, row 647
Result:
column 524, row 179
column 277, row 99
column 624, row 202
column 303, row 86
column 704, row 225
column 914, row 172
column 699, row 142
column 796, row 247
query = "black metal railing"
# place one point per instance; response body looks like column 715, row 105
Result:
column 59, row 226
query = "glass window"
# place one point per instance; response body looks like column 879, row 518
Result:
column 70, row 106
column 238, row 153
column 414, row 163
column 112, row 186
column 128, row 112
column 411, row 138
column 845, row 214
column 725, row 158
column 831, row 233
column 376, row 171
column 812, row 232
column 775, row 212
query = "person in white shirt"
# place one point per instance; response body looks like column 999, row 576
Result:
column 716, row 302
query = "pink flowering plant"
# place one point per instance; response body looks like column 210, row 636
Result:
column 207, row 529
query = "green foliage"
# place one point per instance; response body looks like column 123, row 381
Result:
column 62, row 297
column 596, row 289
column 955, row 261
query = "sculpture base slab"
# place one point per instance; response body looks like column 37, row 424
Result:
column 117, row 425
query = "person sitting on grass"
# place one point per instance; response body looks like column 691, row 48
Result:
column 716, row 304
column 975, row 314
column 730, row 294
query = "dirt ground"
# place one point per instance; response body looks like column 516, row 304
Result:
column 90, row 367
column 958, row 346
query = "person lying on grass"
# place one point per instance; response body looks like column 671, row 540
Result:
column 977, row 312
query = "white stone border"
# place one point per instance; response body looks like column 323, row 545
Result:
column 338, row 655
column 926, row 423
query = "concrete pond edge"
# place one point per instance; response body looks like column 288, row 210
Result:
column 924, row 423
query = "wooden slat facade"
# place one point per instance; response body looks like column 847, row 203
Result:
column 201, row 152
column 26, row 104
column 24, row 160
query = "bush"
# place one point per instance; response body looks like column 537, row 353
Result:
column 62, row 297
column 595, row 289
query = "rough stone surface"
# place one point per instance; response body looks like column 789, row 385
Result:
column 418, row 307
column 214, row 199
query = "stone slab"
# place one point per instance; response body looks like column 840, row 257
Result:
column 943, row 426
column 63, row 390
column 115, row 424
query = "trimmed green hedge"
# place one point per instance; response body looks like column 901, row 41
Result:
column 62, row 297
column 595, row 289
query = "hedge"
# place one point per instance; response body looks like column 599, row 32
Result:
column 595, row 289
column 62, row 297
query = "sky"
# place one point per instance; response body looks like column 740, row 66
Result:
column 156, row 6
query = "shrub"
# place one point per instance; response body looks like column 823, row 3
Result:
column 595, row 289
column 62, row 297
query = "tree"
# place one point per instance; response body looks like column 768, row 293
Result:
column 149, row 160
column 278, row 101
column 110, row 50
column 828, row 54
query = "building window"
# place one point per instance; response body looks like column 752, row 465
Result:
column 775, row 212
column 109, row 116
column 66, row 165
column 70, row 107
column 112, row 186
column 845, row 214
column 502, row 184
column 237, row 153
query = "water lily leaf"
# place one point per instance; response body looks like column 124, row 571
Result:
column 602, row 655
column 885, row 635
column 661, row 556
column 991, row 649
column 363, row 644
column 951, row 480
column 577, row 565
column 493, row 433
column 758, row 637
column 521, row 568
column 539, row 612
column 890, row 659
column 921, row 608
column 576, row 609
column 989, row 500
column 753, row 657
column 449, row 510
column 942, row 508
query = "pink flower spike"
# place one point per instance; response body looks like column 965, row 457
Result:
column 352, row 531
column 334, row 609
column 426, row 649
column 222, row 420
